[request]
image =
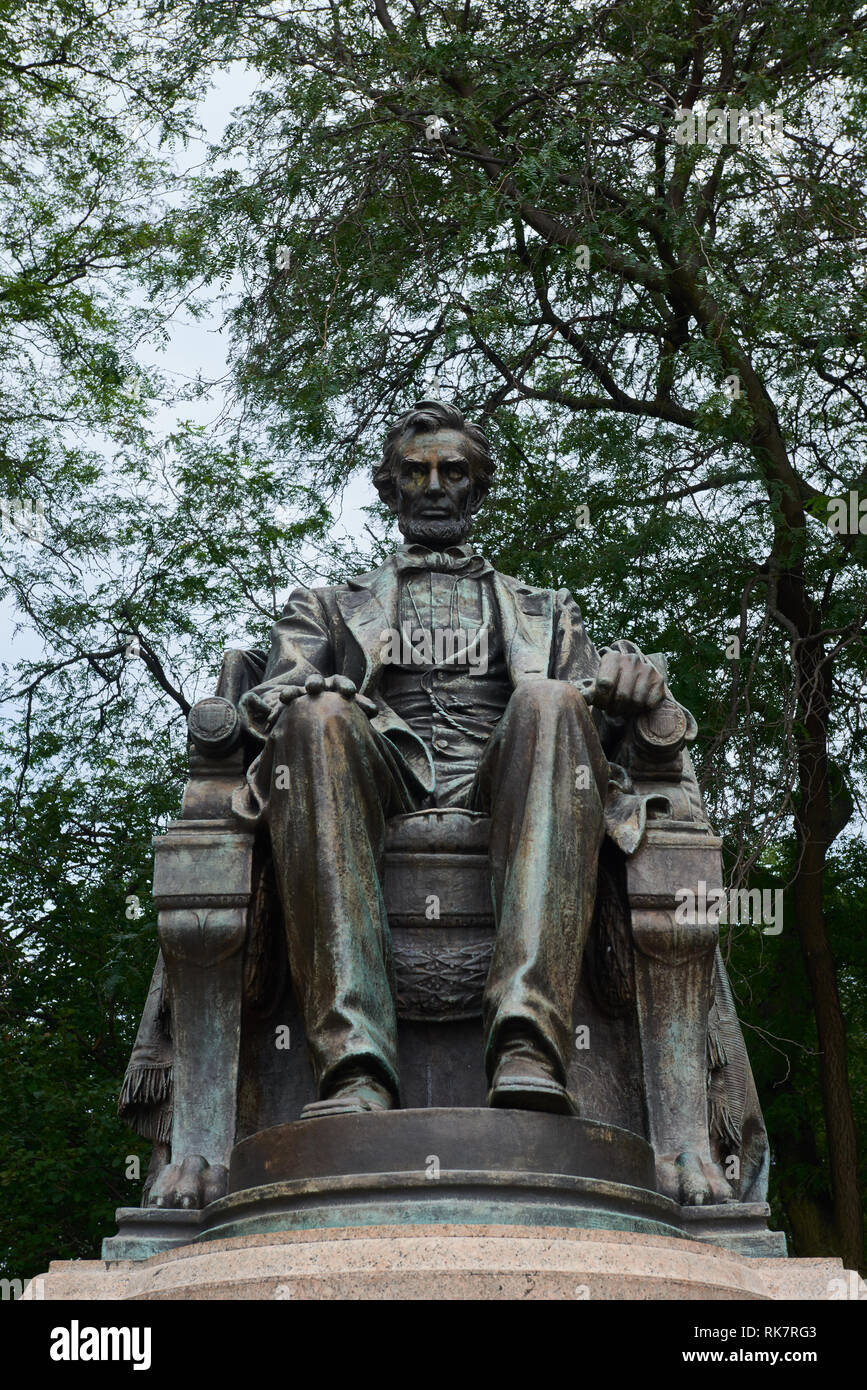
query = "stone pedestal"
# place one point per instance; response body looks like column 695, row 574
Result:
column 448, row 1262
column 475, row 1167
column 446, row 1204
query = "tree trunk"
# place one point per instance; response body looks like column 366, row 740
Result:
column 810, row 1215
column 813, row 830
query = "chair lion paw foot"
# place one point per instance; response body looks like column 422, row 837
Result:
column 191, row 1184
column 691, row 1180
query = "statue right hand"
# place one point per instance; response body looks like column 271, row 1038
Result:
column 336, row 685
column 262, row 708
column 259, row 709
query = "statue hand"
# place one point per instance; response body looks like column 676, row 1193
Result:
column 259, row 708
column 337, row 685
column 626, row 683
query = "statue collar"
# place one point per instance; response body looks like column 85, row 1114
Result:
column 455, row 559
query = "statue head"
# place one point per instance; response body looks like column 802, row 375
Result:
column 435, row 473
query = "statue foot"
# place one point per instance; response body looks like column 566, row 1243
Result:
column 524, row 1079
column 191, row 1184
column 356, row 1094
column 691, row 1180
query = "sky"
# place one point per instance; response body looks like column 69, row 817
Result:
column 194, row 346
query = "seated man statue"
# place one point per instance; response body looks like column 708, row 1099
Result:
column 435, row 681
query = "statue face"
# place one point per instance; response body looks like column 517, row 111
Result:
column 436, row 492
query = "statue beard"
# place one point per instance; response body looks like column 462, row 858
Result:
column 437, row 535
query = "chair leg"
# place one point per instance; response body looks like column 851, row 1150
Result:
column 202, row 889
column 674, row 962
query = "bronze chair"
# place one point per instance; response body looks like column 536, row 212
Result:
column 221, row 1053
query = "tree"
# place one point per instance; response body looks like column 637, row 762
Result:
column 93, row 535
column 489, row 201
column 163, row 574
column 507, row 194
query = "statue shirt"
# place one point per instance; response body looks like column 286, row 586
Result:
column 449, row 681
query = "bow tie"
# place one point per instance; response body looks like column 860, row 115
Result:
column 455, row 560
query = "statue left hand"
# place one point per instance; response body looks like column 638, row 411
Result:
column 626, row 683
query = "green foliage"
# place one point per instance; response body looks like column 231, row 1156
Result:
column 74, row 974
column 582, row 286
column 774, row 1007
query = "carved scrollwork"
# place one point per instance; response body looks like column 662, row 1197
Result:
column 441, row 983
column 204, row 937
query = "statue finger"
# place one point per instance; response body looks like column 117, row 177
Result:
column 290, row 693
column 656, row 693
column 635, row 677
column 608, row 678
column 254, row 704
column 368, row 707
column 343, row 685
column 642, row 687
column 315, row 685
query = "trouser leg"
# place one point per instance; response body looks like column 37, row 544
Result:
column 543, row 781
column 334, row 783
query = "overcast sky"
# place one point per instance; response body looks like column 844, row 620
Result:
column 195, row 345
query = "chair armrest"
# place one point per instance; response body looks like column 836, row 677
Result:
column 213, row 723
column 214, row 726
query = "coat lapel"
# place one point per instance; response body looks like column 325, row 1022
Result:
column 527, row 618
column 369, row 609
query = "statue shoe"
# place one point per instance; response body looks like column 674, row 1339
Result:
column 355, row 1094
column 525, row 1079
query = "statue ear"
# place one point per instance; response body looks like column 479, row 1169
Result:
column 388, row 494
column 477, row 502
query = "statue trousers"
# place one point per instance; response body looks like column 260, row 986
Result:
column 542, row 779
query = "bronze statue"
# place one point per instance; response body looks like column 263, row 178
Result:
column 438, row 740
column 361, row 739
